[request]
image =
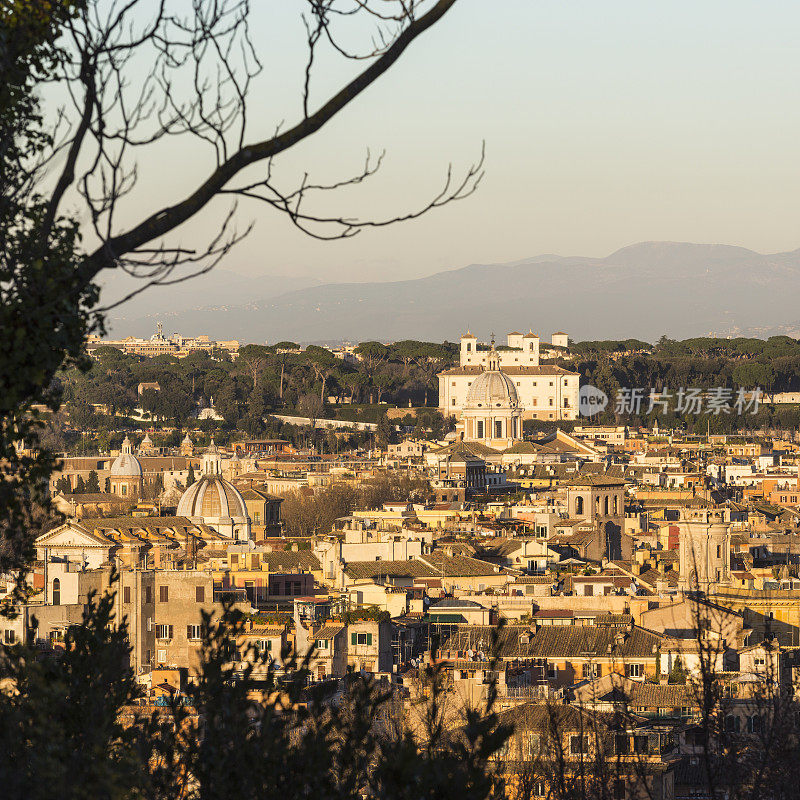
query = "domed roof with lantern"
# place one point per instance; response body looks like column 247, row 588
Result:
column 215, row 501
column 126, row 465
column 492, row 388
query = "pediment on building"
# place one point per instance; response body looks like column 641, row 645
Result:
column 72, row 534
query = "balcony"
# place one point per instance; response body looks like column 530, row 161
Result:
column 231, row 596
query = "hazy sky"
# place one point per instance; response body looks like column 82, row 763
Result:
column 606, row 123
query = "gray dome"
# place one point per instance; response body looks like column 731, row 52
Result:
column 212, row 498
column 492, row 389
column 126, row 465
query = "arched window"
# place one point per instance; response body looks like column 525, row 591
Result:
column 56, row 592
column 605, row 506
column 579, row 505
column 732, row 723
column 616, row 507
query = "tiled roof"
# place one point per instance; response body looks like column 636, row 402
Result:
column 501, row 547
column 455, row 602
column 328, row 631
column 265, row 630
column 596, row 480
column 653, row 695
column 286, row 559
column 413, row 568
column 545, row 717
column 462, row 450
column 558, row 641
column 459, row 566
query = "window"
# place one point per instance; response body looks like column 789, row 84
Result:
column 754, row 724
column 640, row 745
column 163, row 631
column 257, row 517
column 503, row 751
column 531, row 746
column 732, row 723
column 578, row 745
column 56, row 592
column 148, row 594
column 361, row 638
column 479, row 429
column 719, row 551
column 323, row 644
column 9, row 636
column 622, row 744
column 589, row 670
column 126, row 594
column 578, row 506
column 200, row 594
column 635, row 670
column 162, row 656
column 264, row 645
column 194, row 632
column 234, row 559
column 539, row 789
column 163, row 594
column 149, row 623
column 453, row 401
column 498, row 429
column 551, row 399
column 619, row 789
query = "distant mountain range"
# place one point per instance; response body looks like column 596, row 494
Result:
column 641, row 291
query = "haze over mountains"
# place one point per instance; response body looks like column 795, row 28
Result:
column 641, row 291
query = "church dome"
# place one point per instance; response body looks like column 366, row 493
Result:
column 126, row 465
column 212, row 498
column 492, row 389
column 215, row 501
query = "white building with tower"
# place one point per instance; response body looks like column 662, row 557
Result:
column 543, row 391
